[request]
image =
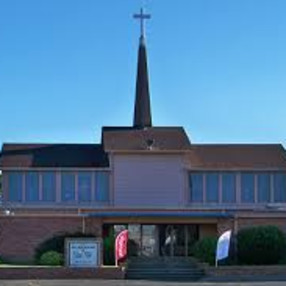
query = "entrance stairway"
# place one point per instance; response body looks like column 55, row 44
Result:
column 164, row 269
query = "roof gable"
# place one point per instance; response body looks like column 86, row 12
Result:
column 153, row 138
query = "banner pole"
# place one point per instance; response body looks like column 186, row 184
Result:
column 116, row 260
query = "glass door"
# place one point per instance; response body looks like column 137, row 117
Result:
column 149, row 240
column 176, row 240
column 167, row 240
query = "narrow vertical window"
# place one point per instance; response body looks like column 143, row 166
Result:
column 102, row 186
column 196, row 187
column 263, row 187
column 84, row 186
column 247, row 188
column 48, row 186
column 279, row 187
column 228, row 188
column 32, row 186
column 68, row 187
column 212, row 187
column 15, row 180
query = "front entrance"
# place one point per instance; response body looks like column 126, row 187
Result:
column 150, row 240
column 149, row 243
column 177, row 239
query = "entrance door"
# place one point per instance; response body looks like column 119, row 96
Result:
column 176, row 240
column 149, row 240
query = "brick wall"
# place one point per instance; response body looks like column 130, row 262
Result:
column 207, row 230
column 248, row 222
column 245, row 270
column 224, row 225
column 19, row 236
column 61, row 273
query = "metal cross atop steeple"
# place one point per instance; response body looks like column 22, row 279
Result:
column 142, row 17
column 142, row 110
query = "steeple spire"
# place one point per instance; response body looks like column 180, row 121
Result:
column 142, row 111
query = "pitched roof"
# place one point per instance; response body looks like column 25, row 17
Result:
column 155, row 138
column 53, row 155
column 225, row 156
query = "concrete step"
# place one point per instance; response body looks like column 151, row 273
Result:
column 162, row 265
column 163, row 272
column 165, row 277
column 165, row 269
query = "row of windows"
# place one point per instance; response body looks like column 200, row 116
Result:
column 238, row 187
column 36, row 186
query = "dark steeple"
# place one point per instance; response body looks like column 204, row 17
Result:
column 142, row 111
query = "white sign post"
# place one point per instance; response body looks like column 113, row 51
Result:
column 222, row 248
column 83, row 252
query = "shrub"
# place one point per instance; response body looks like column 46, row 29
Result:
column 205, row 249
column 260, row 245
column 56, row 243
column 51, row 258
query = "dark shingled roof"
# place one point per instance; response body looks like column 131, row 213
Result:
column 155, row 138
column 225, row 156
column 53, row 155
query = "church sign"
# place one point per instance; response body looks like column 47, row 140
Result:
column 83, row 252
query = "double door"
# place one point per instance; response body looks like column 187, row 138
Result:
column 143, row 240
column 162, row 240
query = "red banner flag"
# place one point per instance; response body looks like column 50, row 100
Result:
column 121, row 246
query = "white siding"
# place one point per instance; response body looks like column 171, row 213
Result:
column 148, row 181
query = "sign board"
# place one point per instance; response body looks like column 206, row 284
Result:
column 83, row 252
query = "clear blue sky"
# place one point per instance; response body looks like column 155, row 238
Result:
column 217, row 67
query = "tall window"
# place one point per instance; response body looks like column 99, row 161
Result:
column 247, row 187
column 102, row 186
column 212, row 187
column 84, row 186
column 263, row 187
column 15, row 180
column 68, row 187
column 279, row 187
column 228, row 188
column 32, row 186
column 48, row 186
column 196, row 187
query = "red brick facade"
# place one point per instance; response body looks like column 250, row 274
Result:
column 61, row 273
column 248, row 222
column 19, row 236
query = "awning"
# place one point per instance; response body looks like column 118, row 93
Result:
column 138, row 214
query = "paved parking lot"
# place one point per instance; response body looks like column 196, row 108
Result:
column 128, row 283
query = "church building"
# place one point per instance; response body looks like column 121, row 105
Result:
column 149, row 179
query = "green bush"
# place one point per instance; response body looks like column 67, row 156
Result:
column 205, row 249
column 51, row 258
column 260, row 245
column 56, row 243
